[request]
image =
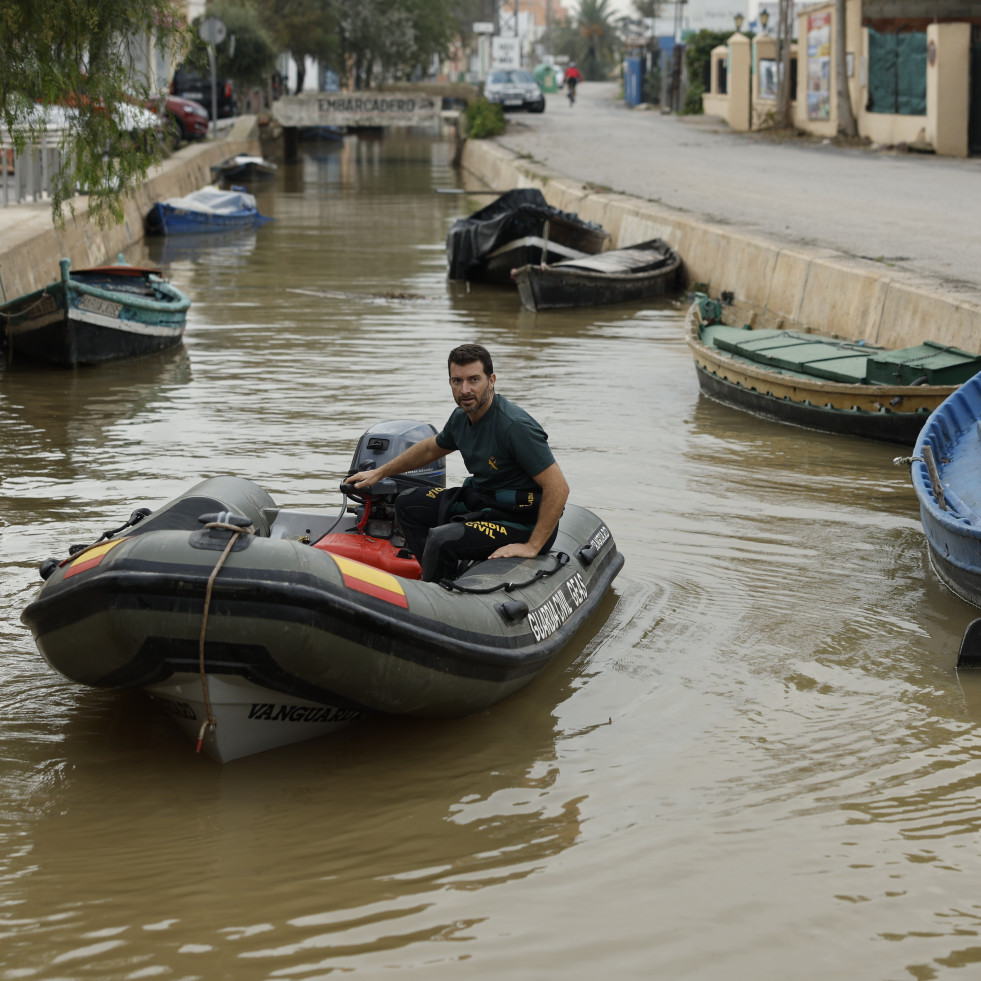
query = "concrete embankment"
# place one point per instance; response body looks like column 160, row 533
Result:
column 810, row 286
column 31, row 244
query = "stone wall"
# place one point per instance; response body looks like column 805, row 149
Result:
column 31, row 244
column 816, row 288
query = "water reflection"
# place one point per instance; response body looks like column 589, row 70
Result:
column 395, row 817
column 760, row 765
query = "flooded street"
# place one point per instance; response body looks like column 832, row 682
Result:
column 757, row 762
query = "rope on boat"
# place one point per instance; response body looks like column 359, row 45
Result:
column 74, row 551
column 935, row 485
column 210, row 721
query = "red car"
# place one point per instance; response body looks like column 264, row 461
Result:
column 186, row 119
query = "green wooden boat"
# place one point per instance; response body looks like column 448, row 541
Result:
column 794, row 376
column 89, row 316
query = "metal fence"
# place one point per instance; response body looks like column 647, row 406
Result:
column 26, row 176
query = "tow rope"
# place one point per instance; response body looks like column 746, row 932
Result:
column 210, row 722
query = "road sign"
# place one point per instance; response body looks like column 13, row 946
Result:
column 212, row 30
column 506, row 52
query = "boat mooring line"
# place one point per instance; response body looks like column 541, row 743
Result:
column 935, row 485
column 210, row 722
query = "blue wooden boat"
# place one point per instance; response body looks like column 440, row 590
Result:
column 946, row 475
column 88, row 316
column 210, row 209
column 790, row 374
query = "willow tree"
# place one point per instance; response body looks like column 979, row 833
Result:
column 76, row 69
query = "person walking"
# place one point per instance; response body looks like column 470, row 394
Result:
column 511, row 503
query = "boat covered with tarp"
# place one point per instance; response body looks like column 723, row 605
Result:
column 518, row 228
column 210, row 209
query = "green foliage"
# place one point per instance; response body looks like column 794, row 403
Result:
column 698, row 57
column 93, row 57
column 483, row 119
column 650, row 88
column 591, row 40
column 648, row 8
column 693, row 98
column 249, row 59
column 392, row 40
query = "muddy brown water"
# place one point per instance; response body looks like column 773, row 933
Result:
column 757, row 762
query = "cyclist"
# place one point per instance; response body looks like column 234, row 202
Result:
column 572, row 78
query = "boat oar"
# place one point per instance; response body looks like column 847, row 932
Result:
column 969, row 655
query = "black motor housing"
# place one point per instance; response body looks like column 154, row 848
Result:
column 386, row 440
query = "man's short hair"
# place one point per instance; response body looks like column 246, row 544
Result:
column 466, row 353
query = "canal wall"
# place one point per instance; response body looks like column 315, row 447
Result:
column 31, row 244
column 812, row 288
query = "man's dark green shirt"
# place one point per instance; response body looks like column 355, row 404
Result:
column 504, row 450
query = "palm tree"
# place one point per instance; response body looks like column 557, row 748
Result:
column 593, row 42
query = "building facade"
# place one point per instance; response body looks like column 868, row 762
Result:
column 913, row 70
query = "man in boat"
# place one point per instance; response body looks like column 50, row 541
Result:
column 510, row 504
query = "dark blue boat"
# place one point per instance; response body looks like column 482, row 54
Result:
column 209, row 210
column 946, row 475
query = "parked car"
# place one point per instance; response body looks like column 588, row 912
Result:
column 189, row 85
column 186, row 119
column 514, row 89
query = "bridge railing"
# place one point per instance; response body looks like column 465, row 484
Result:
column 27, row 175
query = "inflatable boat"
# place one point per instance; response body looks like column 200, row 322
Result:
column 256, row 626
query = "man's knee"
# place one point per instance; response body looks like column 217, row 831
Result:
column 439, row 557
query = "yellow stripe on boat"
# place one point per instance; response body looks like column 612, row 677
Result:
column 91, row 557
column 367, row 579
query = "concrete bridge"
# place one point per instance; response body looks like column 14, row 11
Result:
column 388, row 105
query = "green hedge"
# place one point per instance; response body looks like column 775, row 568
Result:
column 483, row 119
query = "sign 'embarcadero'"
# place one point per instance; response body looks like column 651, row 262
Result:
column 364, row 108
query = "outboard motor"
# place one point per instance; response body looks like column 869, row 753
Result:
column 383, row 442
column 386, row 440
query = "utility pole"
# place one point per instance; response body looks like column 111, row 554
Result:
column 785, row 37
column 846, row 118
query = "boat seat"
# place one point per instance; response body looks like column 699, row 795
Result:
column 637, row 261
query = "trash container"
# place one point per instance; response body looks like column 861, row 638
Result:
column 545, row 76
column 633, row 81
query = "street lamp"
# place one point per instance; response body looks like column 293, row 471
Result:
column 739, row 21
column 764, row 18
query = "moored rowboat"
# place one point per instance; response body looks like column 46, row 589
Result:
column 88, row 316
column 946, row 476
column 636, row 272
column 794, row 376
column 209, row 209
